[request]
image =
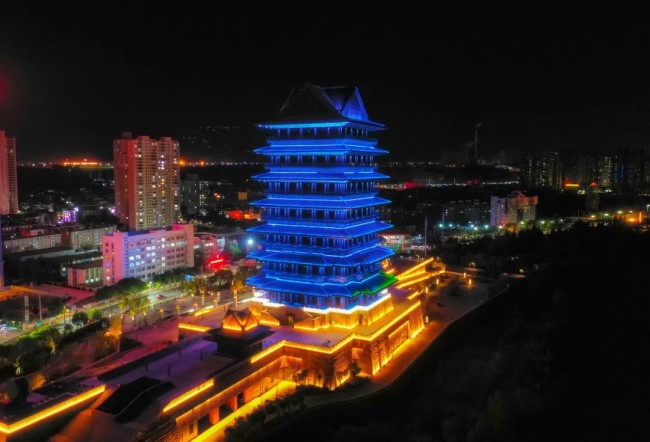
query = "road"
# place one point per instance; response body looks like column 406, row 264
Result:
column 166, row 299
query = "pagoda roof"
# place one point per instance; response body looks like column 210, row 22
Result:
column 318, row 149
column 325, row 231
column 367, row 256
column 317, row 104
column 319, row 175
column 370, row 285
column 320, row 203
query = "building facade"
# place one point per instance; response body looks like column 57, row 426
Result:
column 196, row 194
column 147, row 181
column 84, row 275
column 86, row 238
column 465, row 212
column 321, row 248
column 38, row 242
column 542, row 170
column 514, row 208
column 143, row 254
column 628, row 169
column 8, row 175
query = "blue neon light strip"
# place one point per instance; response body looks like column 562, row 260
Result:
column 341, row 170
column 304, row 202
column 373, row 284
column 350, row 232
column 303, row 125
column 319, row 176
column 367, row 257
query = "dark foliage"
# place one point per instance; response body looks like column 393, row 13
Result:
column 557, row 358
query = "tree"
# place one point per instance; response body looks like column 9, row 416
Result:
column 240, row 277
column 79, row 319
column 96, row 314
column 51, row 339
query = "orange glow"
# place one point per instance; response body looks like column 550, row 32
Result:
column 203, row 311
column 411, row 275
column 414, row 281
column 283, row 388
column 49, row 412
column 188, row 395
column 571, row 185
column 415, row 267
column 193, row 327
column 249, row 326
column 84, row 163
column 390, row 271
column 329, row 350
column 364, row 308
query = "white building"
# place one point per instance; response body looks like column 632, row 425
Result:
column 512, row 209
column 143, row 254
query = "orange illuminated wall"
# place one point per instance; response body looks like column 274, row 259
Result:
column 47, row 413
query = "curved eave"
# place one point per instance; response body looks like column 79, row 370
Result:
column 308, row 122
column 319, row 176
column 315, row 230
column 320, row 203
column 319, row 149
column 371, row 285
column 369, row 256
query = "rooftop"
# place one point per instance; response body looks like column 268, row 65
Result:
column 312, row 104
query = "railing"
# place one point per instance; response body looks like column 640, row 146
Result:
column 319, row 222
column 314, row 194
column 275, row 247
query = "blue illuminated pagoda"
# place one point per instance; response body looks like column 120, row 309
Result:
column 320, row 244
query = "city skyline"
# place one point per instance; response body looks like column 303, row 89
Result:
column 71, row 80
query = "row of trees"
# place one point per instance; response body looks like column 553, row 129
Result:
column 126, row 286
column 32, row 351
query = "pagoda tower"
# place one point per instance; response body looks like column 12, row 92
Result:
column 321, row 250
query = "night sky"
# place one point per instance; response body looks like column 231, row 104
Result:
column 72, row 79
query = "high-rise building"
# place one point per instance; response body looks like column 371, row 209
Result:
column 144, row 254
column 604, row 171
column 465, row 212
column 8, row 175
column 628, row 169
column 514, row 208
column 321, row 248
column 196, row 194
column 542, row 170
column 147, row 181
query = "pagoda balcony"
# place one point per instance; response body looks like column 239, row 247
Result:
column 323, row 222
column 334, row 139
column 333, row 202
column 325, row 165
column 320, row 250
column 284, row 193
column 319, row 279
